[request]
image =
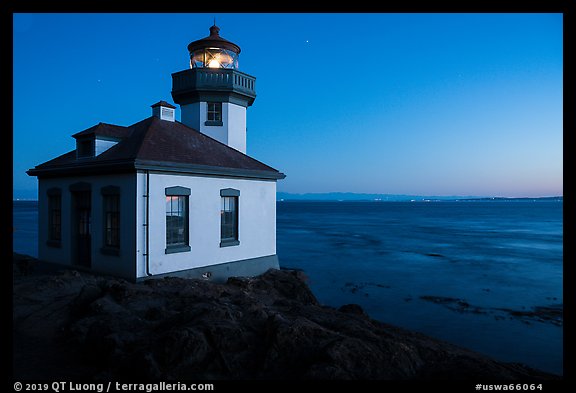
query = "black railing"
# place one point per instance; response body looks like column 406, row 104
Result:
column 213, row 79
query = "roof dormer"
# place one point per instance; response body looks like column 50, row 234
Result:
column 96, row 140
column 164, row 111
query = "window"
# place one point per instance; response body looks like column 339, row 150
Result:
column 85, row 148
column 54, row 217
column 177, row 219
column 111, row 209
column 229, row 217
column 214, row 111
column 112, row 221
column 214, row 114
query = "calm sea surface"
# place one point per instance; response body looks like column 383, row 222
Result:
column 483, row 275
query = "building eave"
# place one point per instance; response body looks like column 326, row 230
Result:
column 83, row 168
column 123, row 166
column 206, row 170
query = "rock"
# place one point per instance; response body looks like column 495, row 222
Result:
column 87, row 295
column 352, row 309
column 265, row 327
column 24, row 264
column 181, row 348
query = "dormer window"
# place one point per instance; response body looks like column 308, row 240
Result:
column 85, row 148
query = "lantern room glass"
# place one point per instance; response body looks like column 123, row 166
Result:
column 214, row 58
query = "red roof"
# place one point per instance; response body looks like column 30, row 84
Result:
column 158, row 144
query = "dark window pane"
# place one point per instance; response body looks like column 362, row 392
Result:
column 214, row 111
column 54, row 217
column 112, row 221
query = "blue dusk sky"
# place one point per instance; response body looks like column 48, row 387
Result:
column 420, row 104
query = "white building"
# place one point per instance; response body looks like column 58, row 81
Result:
column 162, row 197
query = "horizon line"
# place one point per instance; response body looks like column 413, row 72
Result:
column 427, row 197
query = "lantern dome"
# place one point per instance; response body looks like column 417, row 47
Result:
column 213, row 51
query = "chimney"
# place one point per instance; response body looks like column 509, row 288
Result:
column 164, row 111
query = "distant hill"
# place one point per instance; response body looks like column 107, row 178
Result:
column 350, row 196
column 549, row 198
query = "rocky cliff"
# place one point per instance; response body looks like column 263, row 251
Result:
column 79, row 325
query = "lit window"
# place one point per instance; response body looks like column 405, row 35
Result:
column 229, row 217
column 176, row 213
column 177, row 219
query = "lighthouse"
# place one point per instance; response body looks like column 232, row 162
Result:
column 213, row 93
column 163, row 197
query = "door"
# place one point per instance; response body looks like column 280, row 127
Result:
column 82, row 228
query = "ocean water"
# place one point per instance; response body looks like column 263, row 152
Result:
column 483, row 275
column 463, row 272
column 25, row 227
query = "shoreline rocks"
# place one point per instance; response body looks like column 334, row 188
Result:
column 269, row 327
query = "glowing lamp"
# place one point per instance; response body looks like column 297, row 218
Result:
column 213, row 52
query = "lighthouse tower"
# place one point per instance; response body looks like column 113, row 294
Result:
column 213, row 94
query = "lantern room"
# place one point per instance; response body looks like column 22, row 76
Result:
column 213, row 51
column 213, row 94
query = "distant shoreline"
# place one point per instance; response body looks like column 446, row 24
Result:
column 310, row 198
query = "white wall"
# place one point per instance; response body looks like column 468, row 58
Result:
column 236, row 120
column 256, row 222
column 122, row 265
column 233, row 129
